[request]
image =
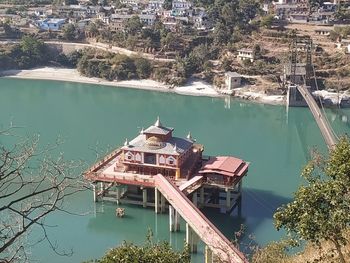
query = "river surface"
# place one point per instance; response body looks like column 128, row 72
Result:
column 276, row 143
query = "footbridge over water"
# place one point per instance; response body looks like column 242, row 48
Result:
column 322, row 122
column 197, row 225
column 327, row 132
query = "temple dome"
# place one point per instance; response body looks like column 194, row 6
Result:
column 154, row 142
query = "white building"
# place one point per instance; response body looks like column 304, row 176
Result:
column 155, row 4
column 181, row 4
column 232, row 80
column 246, row 54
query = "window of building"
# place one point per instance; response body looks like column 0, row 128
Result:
column 150, row 158
column 138, row 157
column 129, row 156
column 171, row 160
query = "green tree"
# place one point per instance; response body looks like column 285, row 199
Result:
column 257, row 51
column 267, row 21
column 248, row 10
column 143, row 68
column 69, row 32
column 221, row 35
column 149, row 253
column 92, row 30
column 161, row 74
column 320, row 210
column 30, row 52
column 168, row 41
column 133, row 25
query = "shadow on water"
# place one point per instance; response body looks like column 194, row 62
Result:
column 257, row 205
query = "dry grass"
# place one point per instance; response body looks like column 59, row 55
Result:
column 275, row 253
column 325, row 254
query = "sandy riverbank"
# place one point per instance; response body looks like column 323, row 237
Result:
column 197, row 88
column 193, row 88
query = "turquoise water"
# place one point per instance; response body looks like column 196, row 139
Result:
column 276, row 143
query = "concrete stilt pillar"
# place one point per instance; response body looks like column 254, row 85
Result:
column 156, row 200
column 124, row 190
column 94, row 192
column 118, row 193
column 177, row 221
column 101, row 190
column 195, row 199
column 191, row 239
column 208, row 255
column 240, row 186
column 144, row 197
column 239, row 206
column 171, row 218
column 162, row 203
column 228, row 199
column 195, row 240
column 201, row 196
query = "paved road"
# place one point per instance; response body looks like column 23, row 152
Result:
column 101, row 46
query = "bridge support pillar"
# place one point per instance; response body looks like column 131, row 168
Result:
column 171, row 218
column 177, row 221
column 101, row 192
column 144, row 197
column 208, row 255
column 239, row 206
column 162, row 203
column 118, row 194
column 94, row 192
column 156, row 200
column 228, row 200
column 195, row 198
column 191, row 239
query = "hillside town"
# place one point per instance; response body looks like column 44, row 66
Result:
column 184, row 40
column 127, row 129
column 173, row 14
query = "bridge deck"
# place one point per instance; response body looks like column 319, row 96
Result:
column 191, row 185
column 209, row 234
column 321, row 120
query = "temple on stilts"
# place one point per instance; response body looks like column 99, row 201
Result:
column 157, row 169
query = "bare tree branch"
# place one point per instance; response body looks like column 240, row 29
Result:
column 34, row 182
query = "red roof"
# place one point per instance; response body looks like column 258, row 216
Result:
column 225, row 165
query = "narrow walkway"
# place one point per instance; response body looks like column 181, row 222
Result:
column 326, row 129
column 191, row 185
column 207, row 232
column 97, row 45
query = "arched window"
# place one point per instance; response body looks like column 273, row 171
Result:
column 161, row 159
column 138, row 157
column 129, row 156
column 171, row 160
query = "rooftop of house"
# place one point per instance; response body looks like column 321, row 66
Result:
column 53, row 20
column 232, row 74
column 245, row 50
column 147, row 141
column 225, row 165
column 158, row 129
